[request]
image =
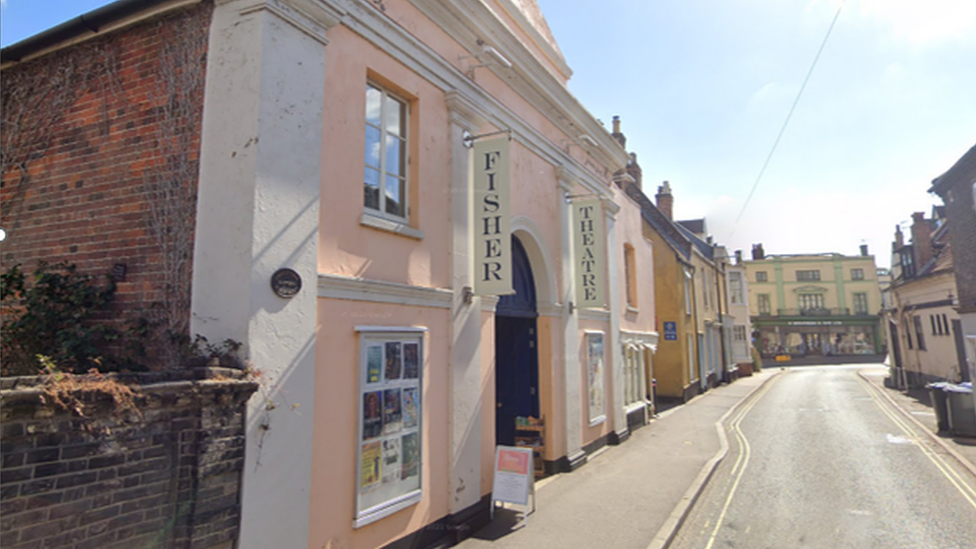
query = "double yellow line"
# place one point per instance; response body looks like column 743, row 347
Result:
column 742, row 461
column 954, row 478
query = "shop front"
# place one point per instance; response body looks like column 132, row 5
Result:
column 821, row 337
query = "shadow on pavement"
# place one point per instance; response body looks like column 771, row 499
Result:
column 506, row 522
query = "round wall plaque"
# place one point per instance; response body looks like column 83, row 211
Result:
column 286, row 283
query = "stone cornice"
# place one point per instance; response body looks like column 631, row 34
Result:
column 311, row 17
column 464, row 111
column 602, row 315
column 377, row 291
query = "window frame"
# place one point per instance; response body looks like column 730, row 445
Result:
column 381, row 211
column 630, row 276
column 595, row 377
column 368, row 510
column 760, row 300
column 736, row 293
column 857, row 273
column 807, row 275
column 856, row 298
column 762, row 276
column 919, row 332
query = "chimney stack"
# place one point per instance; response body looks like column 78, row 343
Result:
column 922, row 239
column 634, row 170
column 757, row 252
column 617, row 133
column 738, row 257
column 864, row 250
column 665, row 202
column 899, row 238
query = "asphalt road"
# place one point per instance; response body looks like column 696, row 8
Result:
column 817, row 459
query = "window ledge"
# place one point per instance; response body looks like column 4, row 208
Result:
column 372, row 515
column 632, row 309
column 389, row 225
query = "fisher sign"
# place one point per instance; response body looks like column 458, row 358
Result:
column 492, row 227
column 588, row 254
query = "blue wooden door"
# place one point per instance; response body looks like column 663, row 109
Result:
column 516, row 352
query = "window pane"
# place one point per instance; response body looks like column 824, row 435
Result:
column 371, row 178
column 394, row 196
column 395, row 156
column 372, row 146
column 373, row 98
column 396, row 117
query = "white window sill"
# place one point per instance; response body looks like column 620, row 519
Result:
column 631, row 309
column 597, row 421
column 370, row 220
column 372, row 515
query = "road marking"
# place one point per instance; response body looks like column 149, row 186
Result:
column 895, row 439
column 741, row 461
column 954, row 478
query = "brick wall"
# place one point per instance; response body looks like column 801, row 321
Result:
column 100, row 158
column 170, row 479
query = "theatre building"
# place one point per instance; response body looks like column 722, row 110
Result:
column 450, row 210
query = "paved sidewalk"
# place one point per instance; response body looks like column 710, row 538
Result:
column 623, row 497
column 917, row 407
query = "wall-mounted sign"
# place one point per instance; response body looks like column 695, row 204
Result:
column 588, row 253
column 492, row 227
column 670, row 331
column 286, row 283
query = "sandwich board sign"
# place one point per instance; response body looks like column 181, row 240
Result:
column 514, row 477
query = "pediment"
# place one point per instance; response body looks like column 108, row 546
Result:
column 810, row 290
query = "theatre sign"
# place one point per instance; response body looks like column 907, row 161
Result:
column 589, row 254
column 493, row 232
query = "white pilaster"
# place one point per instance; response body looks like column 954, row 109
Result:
column 571, row 342
column 257, row 212
column 467, row 398
column 616, row 403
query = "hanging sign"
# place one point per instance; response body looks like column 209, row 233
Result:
column 492, row 227
column 588, row 254
column 514, row 478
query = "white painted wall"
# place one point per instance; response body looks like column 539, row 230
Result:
column 258, row 211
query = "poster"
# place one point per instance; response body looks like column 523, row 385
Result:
column 595, row 367
column 393, row 364
column 372, row 414
column 391, row 460
column 514, row 477
column 392, row 415
column 411, row 456
column 371, row 467
column 411, row 361
column 409, row 407
column 374, row 363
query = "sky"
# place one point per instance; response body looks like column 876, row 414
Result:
column 703, row 88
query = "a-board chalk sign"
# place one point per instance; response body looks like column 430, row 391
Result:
column 514, row 476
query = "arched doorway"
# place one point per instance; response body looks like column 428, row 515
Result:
column 516, row 350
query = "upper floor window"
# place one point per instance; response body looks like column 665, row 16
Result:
column 807, row 276
column 736, row 295
column 761, row 276
column 385, row 172
column 705, row 288
column 762, row 302
column 810, row 302
column 860, row 303
column 919, row 336
column 857, row 274
column 907, row 264
column 687, row 292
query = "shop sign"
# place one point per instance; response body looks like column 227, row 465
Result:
column 514, row 479
column 492, row 222
column 814, row 323
column 588, row 253
column 670, row 331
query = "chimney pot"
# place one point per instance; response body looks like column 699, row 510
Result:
column 864, row 250
column 664, row 199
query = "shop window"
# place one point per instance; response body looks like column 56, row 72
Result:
column 594, row 363
column 632, row 375
column 860, row 303
column 762, row 302
column 808, row 276
column 761, row 276
column 736, row 295
column 919, row 335
column 386, row 150
column 857, row 274
column 390, row 435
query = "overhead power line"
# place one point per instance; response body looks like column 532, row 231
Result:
column 786, row 122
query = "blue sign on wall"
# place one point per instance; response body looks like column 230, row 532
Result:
column 670, row 331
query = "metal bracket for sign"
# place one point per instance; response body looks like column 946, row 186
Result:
column 469, row 139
